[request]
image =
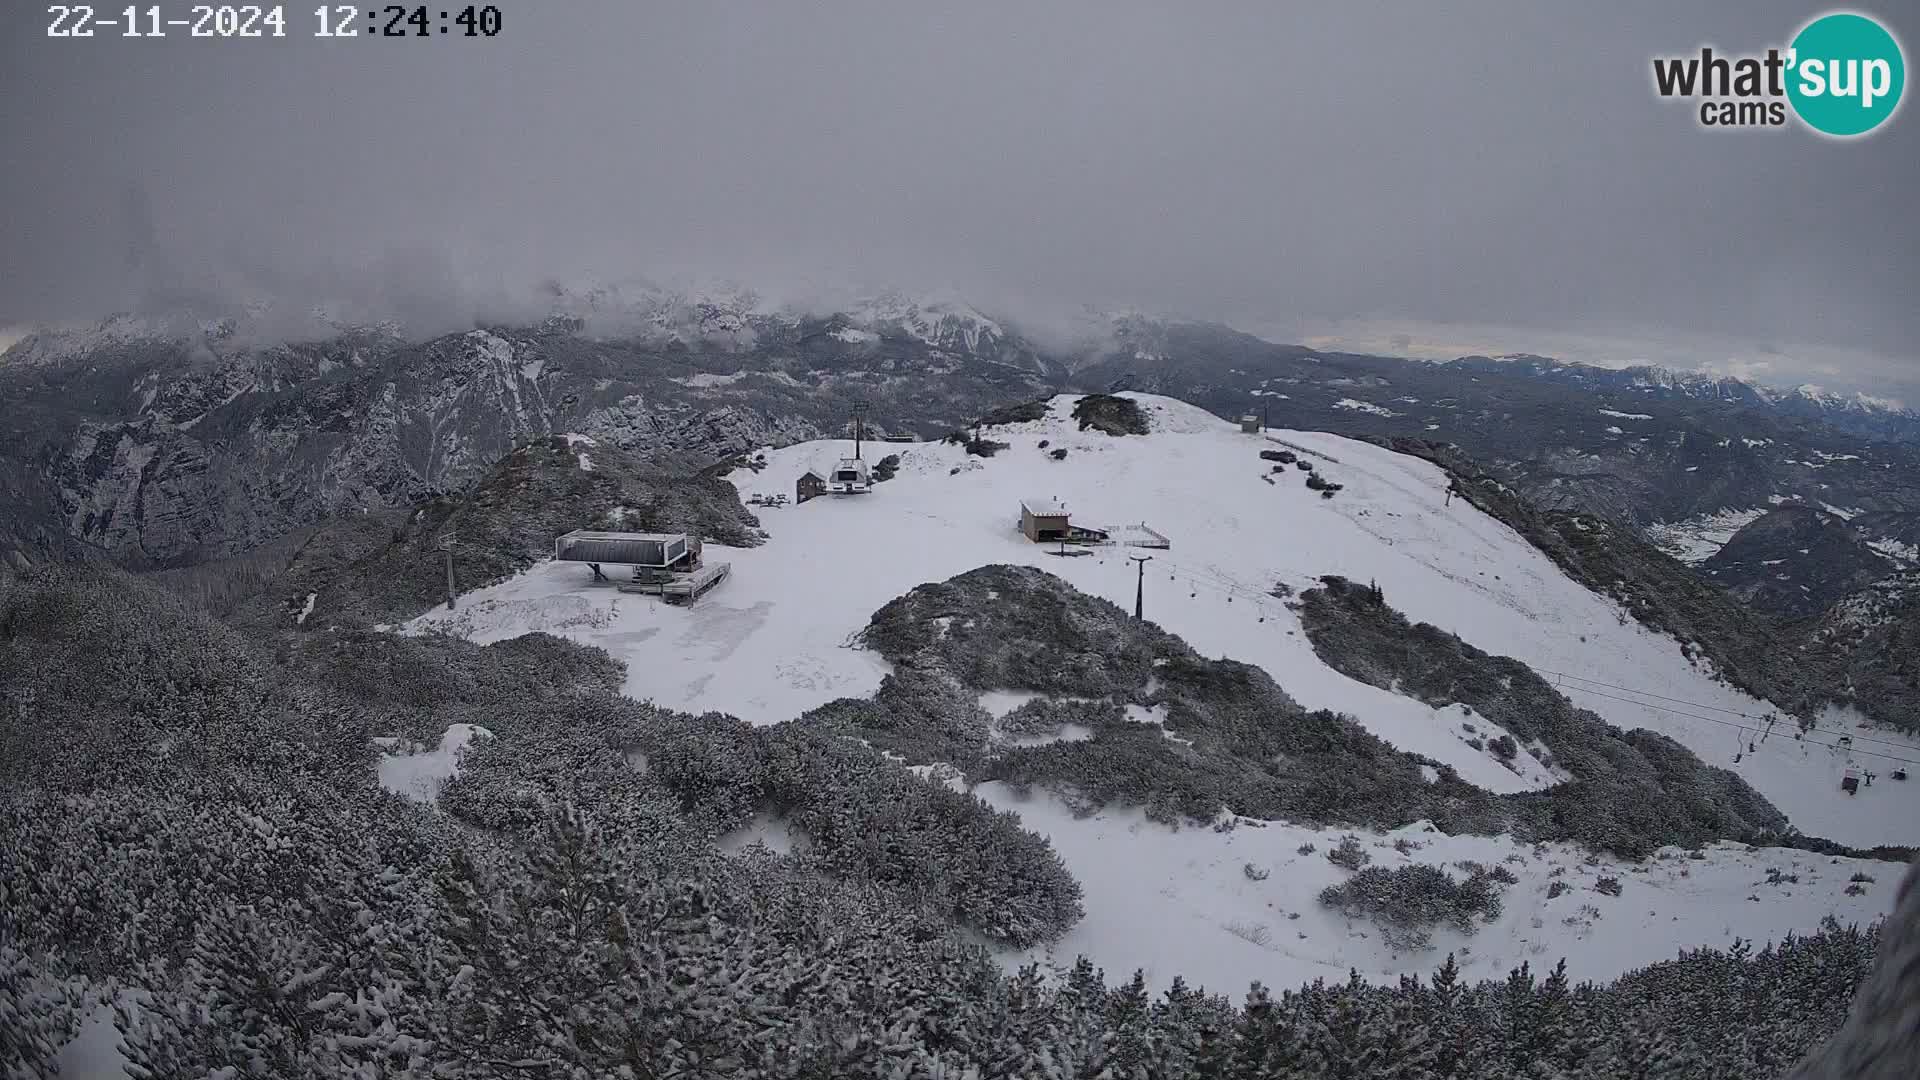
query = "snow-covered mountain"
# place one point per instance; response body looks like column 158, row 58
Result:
column 782, row 636
column 163, row 441
column 1863, row 414
column 157, row 443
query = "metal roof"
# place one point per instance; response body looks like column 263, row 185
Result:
column 630, row 549
column 1043, row 508
column 591, row 534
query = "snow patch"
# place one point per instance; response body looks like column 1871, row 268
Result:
column 1180, row 902
column 774, row 833
column 1356, row 405
column 1067, row 733
column 707, row 380
column 419, row 773
column 1696, row 539
column 1895, row 550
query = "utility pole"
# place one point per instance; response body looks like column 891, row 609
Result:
column 446, row 544
column 859, row 411
column 1140, row 582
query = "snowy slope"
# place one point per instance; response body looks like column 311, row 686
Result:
column 771, row 642
column 1183, row 903
column 775, row 640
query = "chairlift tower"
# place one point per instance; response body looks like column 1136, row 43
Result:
column 1140, row 583
column 859, row 425
column 446, row 545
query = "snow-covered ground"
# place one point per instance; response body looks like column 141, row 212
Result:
column 1185, row 903
column 418, row 772
column 777, row 639
column 1697, row 539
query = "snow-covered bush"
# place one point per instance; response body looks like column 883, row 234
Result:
column 39, row 1011
column 226, row 857
column 1350, row 854
column 869, row 818
column 1408, row 901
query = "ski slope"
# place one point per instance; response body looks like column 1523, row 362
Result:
column 1184, row 903
column 776, row 640
column 772, row 642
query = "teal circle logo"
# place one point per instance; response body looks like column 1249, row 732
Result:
column 1846, row 74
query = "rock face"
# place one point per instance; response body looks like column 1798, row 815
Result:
column 1796, row 562
column 1869, row 642
column 165, row 450
column 358, row 569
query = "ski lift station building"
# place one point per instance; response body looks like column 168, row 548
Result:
column 665, row 564
column 649, row 551
column 850, row 477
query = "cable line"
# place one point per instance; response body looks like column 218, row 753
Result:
column 1710, row 708
column 1729, row 723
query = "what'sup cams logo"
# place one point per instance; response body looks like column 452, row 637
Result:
column 1842, row 76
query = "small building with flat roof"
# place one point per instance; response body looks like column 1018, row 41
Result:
column 1043, row 520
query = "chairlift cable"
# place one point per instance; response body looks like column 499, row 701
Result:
column 1729, row 723
column 1710, row 708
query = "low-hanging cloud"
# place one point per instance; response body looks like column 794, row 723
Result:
column 1504, row 164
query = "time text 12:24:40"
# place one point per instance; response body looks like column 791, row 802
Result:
column 257, row 21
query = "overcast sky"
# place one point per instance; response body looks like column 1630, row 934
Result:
column 1491, row 165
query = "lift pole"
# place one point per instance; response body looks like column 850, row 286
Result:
column 446, row 544
column 1140, row 583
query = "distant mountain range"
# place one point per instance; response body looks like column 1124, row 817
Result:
column 1861, row 414
column 165, row 442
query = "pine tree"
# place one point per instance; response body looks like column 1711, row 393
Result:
column 1260, row 1038
column 38, row 1013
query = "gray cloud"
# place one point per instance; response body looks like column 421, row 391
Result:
column 1502, row 164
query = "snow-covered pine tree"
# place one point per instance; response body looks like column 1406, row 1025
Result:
column 39, row 1012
